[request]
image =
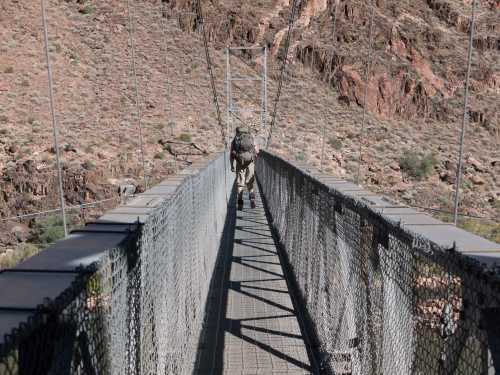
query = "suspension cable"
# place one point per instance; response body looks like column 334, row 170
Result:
column 367, row 77
column 136, row 84
column 199, row 12
column 291, row 21
column 54, row 119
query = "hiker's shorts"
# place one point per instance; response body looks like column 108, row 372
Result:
column 245, row 177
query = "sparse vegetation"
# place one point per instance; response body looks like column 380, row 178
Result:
column 74, row 58
column 417, row 165
column 87, row 9
column 9, row 70
column 49, row 230
column 185, row 137
column 89, row 165
column 17, row 255
column 489, row 230
column 335, row 143
column 300, row 156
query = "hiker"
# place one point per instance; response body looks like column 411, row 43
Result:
column 243, row 153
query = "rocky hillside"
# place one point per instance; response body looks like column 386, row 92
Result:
column 414, row 102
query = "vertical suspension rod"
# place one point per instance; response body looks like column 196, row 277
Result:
column 323, row 136
column 229, row 100
column 465, row 118
column 323, row 140
column 264, row 90
column 136, row 84
column 53, row 114
column 365, row 96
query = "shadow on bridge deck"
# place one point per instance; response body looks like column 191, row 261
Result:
column 251, row 324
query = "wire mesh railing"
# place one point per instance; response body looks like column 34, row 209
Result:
column 140, row 309
column 379, row 299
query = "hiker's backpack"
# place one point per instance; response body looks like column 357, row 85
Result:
column 244, row 148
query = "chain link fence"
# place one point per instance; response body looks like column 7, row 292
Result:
column 141, row 308
column 378, row 298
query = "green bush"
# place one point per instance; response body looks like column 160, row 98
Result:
column 417, row 165
column 89, row 165
column 88, row 9
column 184, row 137
column 49, row 230
column 335, row 143
column 301, row 156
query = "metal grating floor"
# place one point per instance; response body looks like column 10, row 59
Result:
column 252, row 327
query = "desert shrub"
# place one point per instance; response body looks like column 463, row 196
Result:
column 49, row 230
column 74, row 59
column 184, row 137
column 300, row 156
column 335, row 143
column 159, row 155
column 9, row 70
column 87, row 9
column 89, row 165
column 496, row 204
column 417, row 165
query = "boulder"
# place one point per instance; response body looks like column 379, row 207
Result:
column 448, row 177
column 478, row 167
column 395, row 166
column 12, row 232
column 20, row 231
column 12, row 149
column 477, row 180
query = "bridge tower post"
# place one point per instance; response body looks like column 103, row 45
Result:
column 232, row 110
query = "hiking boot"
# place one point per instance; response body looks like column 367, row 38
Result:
column 240, row 204
column 252, row 200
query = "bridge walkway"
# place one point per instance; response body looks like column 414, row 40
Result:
column 253, row 327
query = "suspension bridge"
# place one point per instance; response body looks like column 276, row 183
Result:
column 323, row 277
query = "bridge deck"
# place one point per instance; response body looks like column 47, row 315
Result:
column 253, row 326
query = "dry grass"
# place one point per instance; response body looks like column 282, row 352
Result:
column 20, row 253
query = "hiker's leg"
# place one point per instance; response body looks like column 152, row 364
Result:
column 240, row 184
column 250, row 182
